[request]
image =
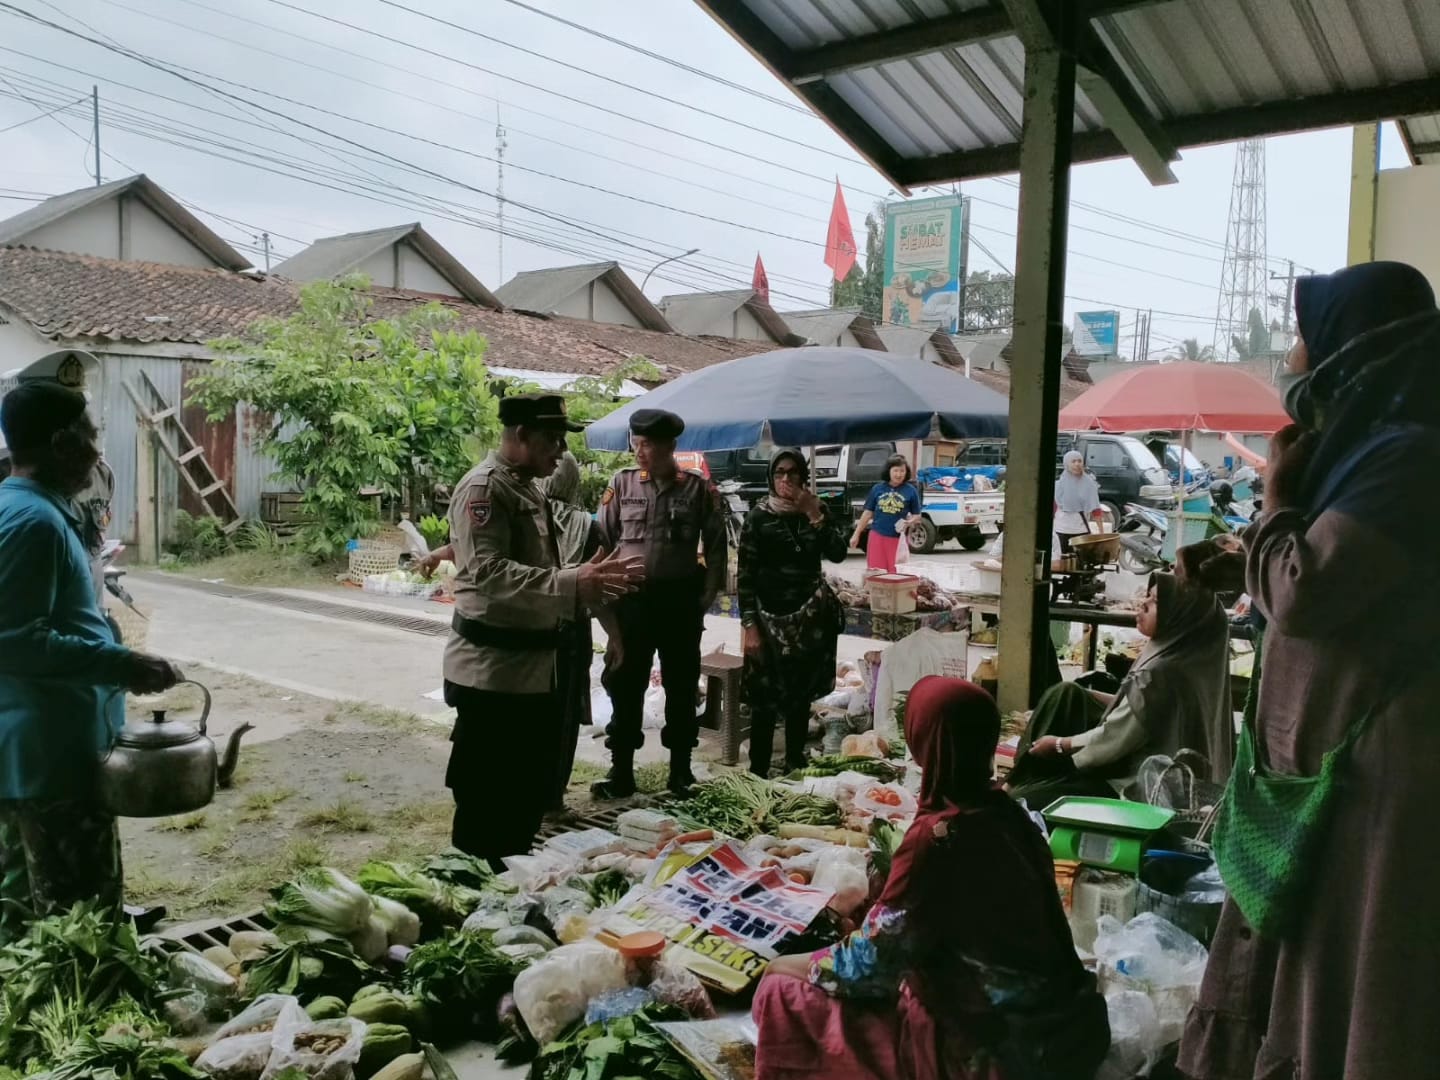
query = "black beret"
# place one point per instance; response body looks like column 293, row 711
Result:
column 34, row 411
column 656, row 424
column 536, row 410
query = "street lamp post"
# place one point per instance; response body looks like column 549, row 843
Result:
column 662, row 262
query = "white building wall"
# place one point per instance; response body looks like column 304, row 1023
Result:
column 418, row 274
column 96, row 230
column 744, row 326
column 1407, row 218
column 149, row 238
column 380, row 268
column 93, row 230
column 608, row 307
column 576, row 305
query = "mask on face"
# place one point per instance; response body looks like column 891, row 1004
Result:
column 1295, row 393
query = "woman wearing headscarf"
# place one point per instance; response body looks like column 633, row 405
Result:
column 577, row 537
column 790, row 618
column 892, row 505
column 1175, row 697
column 1340, row 568
column 1077, row 500
column 965, row 968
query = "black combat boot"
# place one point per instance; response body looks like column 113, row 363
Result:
column 620, row 784
column 681, row 778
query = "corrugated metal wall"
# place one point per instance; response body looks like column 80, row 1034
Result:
column 117, row 414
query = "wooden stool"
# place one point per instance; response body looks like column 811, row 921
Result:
column 722, row 673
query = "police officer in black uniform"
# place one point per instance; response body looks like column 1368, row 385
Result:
column 668, row 516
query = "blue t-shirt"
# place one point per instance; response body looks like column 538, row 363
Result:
column 890, row 505
column 60, row 668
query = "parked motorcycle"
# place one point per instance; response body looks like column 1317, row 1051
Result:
column 114, row 585
column 1142, row 537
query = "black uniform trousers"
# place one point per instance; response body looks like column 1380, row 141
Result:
column 503, row 753
column 664, row 618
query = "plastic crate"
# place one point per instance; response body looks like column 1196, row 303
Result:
column 1096, row 893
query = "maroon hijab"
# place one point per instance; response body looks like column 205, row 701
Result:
column 951, row 727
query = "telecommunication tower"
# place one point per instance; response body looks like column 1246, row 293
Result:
column 1244, row 277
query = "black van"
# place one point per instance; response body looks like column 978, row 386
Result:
column 1126, row 469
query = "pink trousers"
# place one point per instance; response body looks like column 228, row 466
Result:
column 880, row 552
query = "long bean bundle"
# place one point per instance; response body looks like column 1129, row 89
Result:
column 741, row 805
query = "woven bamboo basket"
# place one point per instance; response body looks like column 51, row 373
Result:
column 134, row 631
column 372, row 557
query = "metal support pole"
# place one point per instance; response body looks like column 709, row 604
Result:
column 1364, row 180
column 95, row 118
column 1035, row 366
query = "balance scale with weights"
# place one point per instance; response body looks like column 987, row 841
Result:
column 1110, row 834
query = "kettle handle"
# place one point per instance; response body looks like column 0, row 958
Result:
column 205, row 690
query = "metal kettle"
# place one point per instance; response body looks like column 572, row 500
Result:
column 161, row 767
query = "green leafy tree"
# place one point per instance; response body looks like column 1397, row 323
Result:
column 1191, row 349
column 865, row 288
column 989, row 301
column 357, row 403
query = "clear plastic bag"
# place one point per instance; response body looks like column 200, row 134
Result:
column 562, row 901
column 1157, row 958
column 268, row 1013
column 1205, row 887
column 617, row 1003
column 324, row 1050
column 553, row 993
column 185, row 1013
column 191, row 971
column 524, row 935
column 675, row 984
column 243, row 1057
column 842, row 870
column 1135, row 1044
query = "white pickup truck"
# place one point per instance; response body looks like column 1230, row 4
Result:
column 950, row 508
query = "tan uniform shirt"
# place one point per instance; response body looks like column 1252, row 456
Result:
column 669, row 525
column 508, row 576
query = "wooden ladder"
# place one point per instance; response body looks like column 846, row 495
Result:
column 184, row 452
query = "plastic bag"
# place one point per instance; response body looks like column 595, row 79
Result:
column 490, row 914
column 185, row 1013
column 1135, row 1044
column 547, row 867
column 562, row 901
column 553, row 993
column 193, row 972
column 614, row 1004
column 885, row 800
column 675, row 984
column 243, row 1057
column 841, row 870
column 902, row 550
column 523, row 935
column 325, row 1050
column 1205, row 887
column 654, row 708
column 268, row 1013
column 1156, row 957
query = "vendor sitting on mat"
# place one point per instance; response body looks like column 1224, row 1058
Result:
column 965, row 968
column 1175, row 697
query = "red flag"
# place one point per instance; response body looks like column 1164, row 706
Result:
column 839, row 238
column 761, row 281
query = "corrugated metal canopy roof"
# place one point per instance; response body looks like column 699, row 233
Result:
column 931, row 91
column 1422, row 138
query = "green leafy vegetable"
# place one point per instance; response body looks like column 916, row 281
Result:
column 836, row 764
column 459, row 980
column 885, row 838
column 457, row 868
column 123, row 1057
column 322, row 898
column 608, row 887
column 310, row 970
column 628, row 1046
column 741, row 805
column 60, row 980
column 440, row 904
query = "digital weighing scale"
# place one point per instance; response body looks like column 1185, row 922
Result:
column 1111, row 834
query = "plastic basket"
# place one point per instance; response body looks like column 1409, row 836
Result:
column 1096, row 893
column 1189, row 527
column 371, row 558
column 1197, row 920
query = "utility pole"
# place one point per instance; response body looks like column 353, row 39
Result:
column 265, row 249
column 1287, row 304
column 500, row 145
column 95, row 115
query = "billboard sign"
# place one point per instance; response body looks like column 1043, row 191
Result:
column 1097, row 333
column 924, row 262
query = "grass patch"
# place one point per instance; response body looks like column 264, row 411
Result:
column 586, row 773
column 277, row 569
column 183, row 823
column 342, row 816
column 652, row 779
column 149, row 888
column 419, row 815
column 260, row 805
column 378, row 716
column 218, row 843
column 299, row 855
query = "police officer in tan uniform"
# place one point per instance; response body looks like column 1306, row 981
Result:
column 666, row 516
column 511, row 597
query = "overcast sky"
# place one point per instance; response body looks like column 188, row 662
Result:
column 685, row 161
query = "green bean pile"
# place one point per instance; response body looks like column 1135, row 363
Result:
column 741, row 805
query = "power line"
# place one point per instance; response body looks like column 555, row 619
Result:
column 772, row 99
column 42, row 116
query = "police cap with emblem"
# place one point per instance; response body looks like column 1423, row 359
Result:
column 69, row 367
column 537, row 411
column 656, row 424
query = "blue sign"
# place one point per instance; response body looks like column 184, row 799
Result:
column 1097, row 333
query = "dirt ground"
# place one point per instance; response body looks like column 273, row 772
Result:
column 316, row 784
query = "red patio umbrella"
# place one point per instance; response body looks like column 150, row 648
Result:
column 1179, row 396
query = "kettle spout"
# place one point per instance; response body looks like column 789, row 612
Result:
column 226, row 772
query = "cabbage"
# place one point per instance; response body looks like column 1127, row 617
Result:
column 321, row 898
column 402, row 926
column 371, row 941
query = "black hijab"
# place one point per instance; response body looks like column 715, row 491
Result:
column 1373, row 337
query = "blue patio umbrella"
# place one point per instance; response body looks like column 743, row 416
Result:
column 816, row 396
